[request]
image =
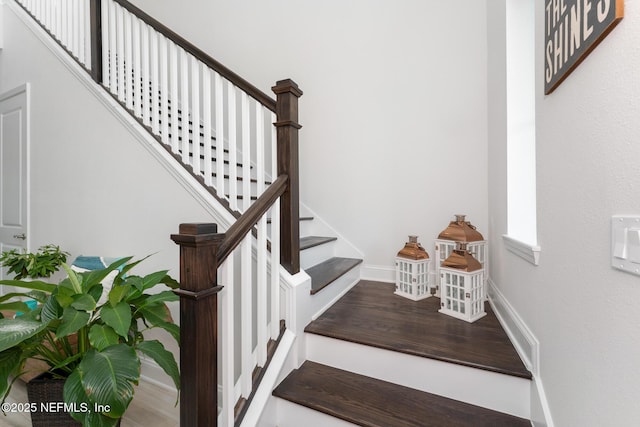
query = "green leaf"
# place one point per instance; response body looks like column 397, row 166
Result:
column 94, row 277
column 118, row 317
column 102, row 336
column 155, row 314
column 15, row 306
column 9, row 366
column 73, row 392
column 65, row 293
column 36, row 285
column 84, row 302
column 51, row 310
column 163, row 358
column 72, row 320
column 96, row 292
column 117, row 293
column 151, row 280
column 36, row 295
column 108, row 377
column 15, row 331
column 149, row 300
column 74, row 279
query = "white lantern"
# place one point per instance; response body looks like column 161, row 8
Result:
column 412, row 271
column 460, row 230
column 462, row 292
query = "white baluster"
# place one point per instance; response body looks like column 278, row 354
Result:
column 184, row 104
column 246, row 309
column 275, row 242
column 105, row 41
column 113, row 54
column 80, row 27
column 195, row 114
column 155, row 81
column 219, row 135
column 246, row 152
column 261, row 172
column 164, row 90
column 145, row 85
column 262, row 289
column 227, row 342
column 64, row 17
column 54, row 19
column 173, row 83
column 46, row 18
column 128, row 60
column 137, row 69
column 262, row 254
column 120, row 51
column 233, row 174
column 87, row 36
column 74, row 28
column 206, row 124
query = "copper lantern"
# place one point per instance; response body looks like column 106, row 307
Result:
column 462, row 292
column 412, row 271
column 460, row 230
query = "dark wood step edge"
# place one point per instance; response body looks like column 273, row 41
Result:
column 309, row 242
column 381, row 403
column 327, row 272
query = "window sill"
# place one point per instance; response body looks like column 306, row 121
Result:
column 525, row 251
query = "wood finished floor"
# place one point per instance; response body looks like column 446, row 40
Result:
column 371, row 314
column 151, row 406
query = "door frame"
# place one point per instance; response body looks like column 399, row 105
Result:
column 24, row 92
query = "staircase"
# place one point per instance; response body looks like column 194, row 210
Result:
column 377, row 359
column 362, row 355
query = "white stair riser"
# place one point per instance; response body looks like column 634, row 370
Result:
column 317, row 254
column 294, row 415
column 491, row 390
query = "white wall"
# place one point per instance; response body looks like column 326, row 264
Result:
column 94, row 189
column 583, row 312
column 394, row 137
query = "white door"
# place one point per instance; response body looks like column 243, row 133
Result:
column 14, row 170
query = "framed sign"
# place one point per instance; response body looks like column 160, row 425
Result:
column 573, row 28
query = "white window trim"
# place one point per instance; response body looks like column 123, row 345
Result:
column 526, row 251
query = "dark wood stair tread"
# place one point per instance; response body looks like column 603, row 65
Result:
column 328, row 271
column 371, row 402
column 370, row 314
column 312, row 241
column 302, row 218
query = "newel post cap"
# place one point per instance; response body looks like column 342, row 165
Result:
column 287, row 86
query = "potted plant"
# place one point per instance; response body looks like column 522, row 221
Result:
column 47, row 260
column 100, row 370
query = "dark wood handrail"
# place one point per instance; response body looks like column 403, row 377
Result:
column 244, row 224
column 225, row 72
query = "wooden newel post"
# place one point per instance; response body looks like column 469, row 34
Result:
column 95, row 19
column 287, row 125
column 198, row 324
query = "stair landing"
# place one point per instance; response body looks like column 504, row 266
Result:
column 371, row 314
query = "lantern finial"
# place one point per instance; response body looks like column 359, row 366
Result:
column 413, row 250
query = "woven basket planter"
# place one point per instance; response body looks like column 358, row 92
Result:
column 44, row 390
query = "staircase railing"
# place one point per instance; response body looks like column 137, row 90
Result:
column 236, row 140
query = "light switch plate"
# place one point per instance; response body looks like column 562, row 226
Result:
column 625, row 243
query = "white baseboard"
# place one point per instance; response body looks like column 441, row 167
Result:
column 522, row 338
column 528, row 347
column 152, row 373
column 378, row 273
